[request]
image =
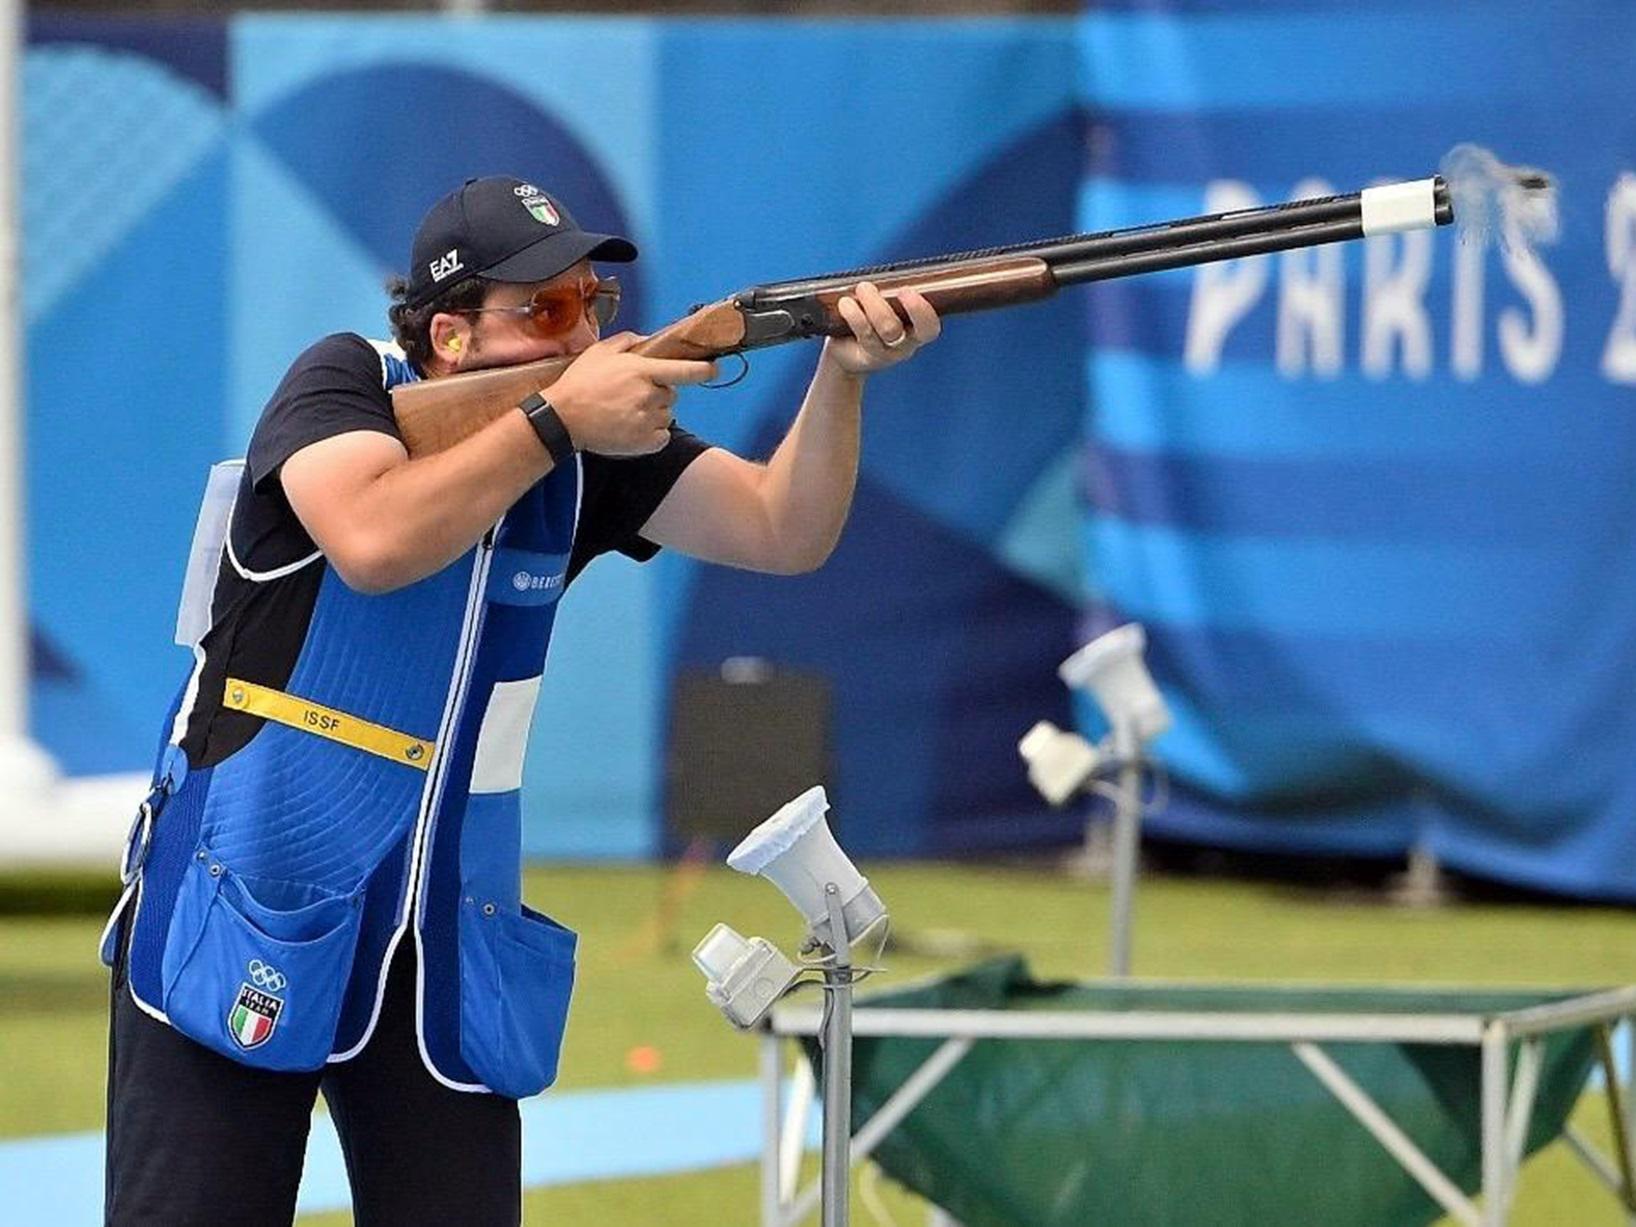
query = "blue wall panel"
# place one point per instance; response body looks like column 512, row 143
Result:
column 1389, row 595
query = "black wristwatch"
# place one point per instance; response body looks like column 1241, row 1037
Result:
column 548, row 424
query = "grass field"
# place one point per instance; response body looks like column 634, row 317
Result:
column 639, row 990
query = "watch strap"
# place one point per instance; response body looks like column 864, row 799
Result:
column 548, row 425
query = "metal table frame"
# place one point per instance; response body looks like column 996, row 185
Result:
column 1507, row 1094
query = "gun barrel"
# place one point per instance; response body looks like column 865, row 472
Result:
column 1106, row 267
column 1418, row 204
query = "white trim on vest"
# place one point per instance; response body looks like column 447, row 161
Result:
column 502, row 738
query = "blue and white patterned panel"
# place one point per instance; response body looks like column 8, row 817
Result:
column 1374, row 505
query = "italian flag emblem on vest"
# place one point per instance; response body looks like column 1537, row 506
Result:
column 253, row 1017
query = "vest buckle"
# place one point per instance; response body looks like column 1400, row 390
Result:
column 137, row 844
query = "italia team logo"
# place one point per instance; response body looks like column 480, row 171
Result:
column 538, row 204
column 255, row 1013
column 543, row 210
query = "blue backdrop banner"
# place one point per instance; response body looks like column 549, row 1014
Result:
column 1375, row 505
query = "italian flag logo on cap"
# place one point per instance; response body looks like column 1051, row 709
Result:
column 543, row 210
column 253, row 1017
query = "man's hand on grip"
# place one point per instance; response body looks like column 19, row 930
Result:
column 617, row 403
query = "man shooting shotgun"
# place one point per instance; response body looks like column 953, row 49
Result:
column 323, row 886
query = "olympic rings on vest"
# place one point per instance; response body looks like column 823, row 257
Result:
column 266, row 976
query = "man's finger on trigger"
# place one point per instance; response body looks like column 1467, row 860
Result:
column 673, row 371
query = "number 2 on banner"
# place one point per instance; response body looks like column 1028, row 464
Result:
column 1619, row 358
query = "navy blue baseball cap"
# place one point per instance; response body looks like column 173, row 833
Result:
column 501, row 229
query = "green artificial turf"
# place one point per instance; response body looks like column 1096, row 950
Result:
column 638, row 990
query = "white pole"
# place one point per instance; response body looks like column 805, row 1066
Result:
column 772, row 1123
column 1127, row 842
column 837, row 1153
column 26, row 769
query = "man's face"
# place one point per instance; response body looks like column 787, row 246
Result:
column 505, row 333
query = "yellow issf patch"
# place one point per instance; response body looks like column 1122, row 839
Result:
column 315, row 718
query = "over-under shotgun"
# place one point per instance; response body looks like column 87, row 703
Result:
column 434, row 414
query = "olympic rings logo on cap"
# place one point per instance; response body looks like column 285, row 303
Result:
column 266, row 976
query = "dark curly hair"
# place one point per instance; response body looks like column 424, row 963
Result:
column 412, row 326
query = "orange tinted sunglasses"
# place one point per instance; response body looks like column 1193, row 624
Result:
column 556, row 310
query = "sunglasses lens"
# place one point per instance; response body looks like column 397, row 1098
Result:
column 557, row 311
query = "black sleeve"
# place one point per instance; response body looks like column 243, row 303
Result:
column 335, row 386
column 621, row 493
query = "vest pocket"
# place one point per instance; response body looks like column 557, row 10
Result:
column 516, row 975
column 255, row 968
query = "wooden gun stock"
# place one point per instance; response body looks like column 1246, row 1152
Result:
column 434, row 414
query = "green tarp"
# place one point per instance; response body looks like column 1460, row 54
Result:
column 1085, row 1133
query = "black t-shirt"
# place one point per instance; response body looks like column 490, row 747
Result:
column 339, row 385
column 267, row 588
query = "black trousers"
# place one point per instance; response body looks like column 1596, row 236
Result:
column 197, row 1140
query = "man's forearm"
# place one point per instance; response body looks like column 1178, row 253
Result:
column 809, row 481
column 423, row 514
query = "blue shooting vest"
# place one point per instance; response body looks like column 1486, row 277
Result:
column 271, row 888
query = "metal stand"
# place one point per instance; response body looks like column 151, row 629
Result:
column 1127, row 840
column 837, row 1043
